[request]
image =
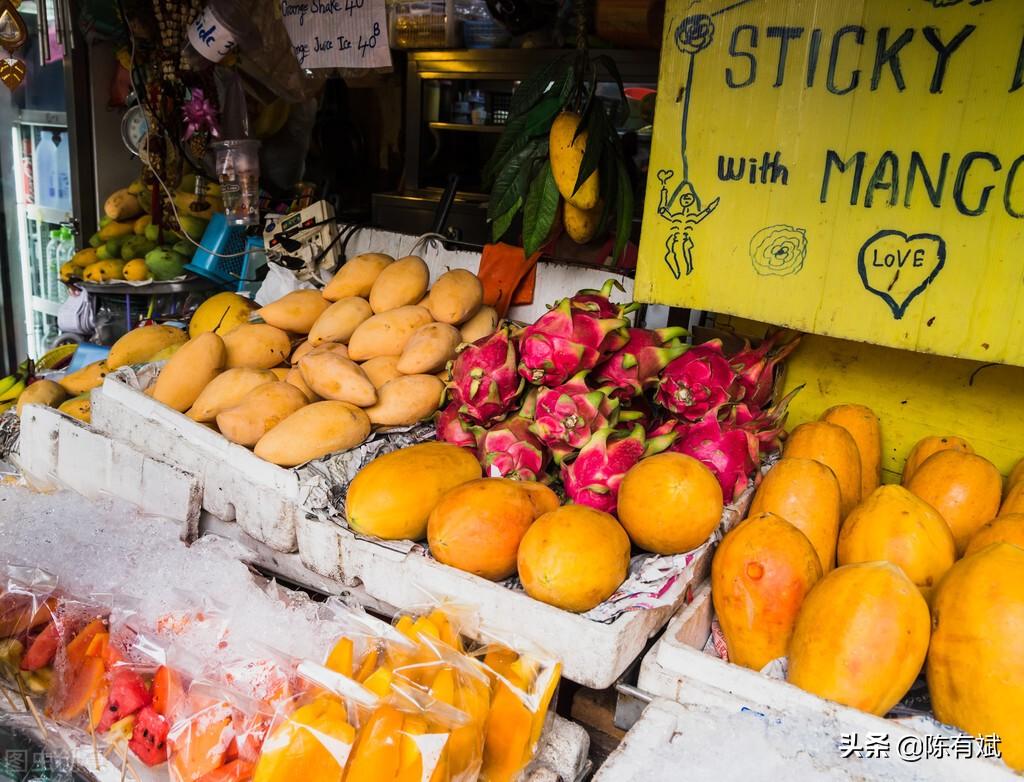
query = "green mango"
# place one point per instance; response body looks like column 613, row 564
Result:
column 136, row 247
column 103, row 253
column 104, row 220
column 114, row 246
column 165, row 264
column 152, row 232
column 185, row 248
column 95, row 241
column 195, row 227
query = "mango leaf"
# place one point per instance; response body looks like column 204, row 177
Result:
column 531, row 89
column 512, row 139
column 540, row 210
column 596, row 144
column 588, row 103
column 538, row 120
column 613, row 71
column 512, row 180
column 609, row 186
column 501, row 225
column 624, row 211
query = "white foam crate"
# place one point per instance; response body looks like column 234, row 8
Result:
column 57, row 451
column 676, row 669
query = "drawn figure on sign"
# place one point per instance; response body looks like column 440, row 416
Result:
column 684, row 219
column 778, row 250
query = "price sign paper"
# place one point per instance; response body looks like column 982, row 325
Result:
column 338, row 33
column 853, row 168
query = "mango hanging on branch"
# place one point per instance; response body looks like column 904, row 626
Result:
column 566, row 148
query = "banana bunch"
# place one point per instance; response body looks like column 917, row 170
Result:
column 12, row 386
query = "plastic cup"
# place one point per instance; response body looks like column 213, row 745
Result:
column 238, row 171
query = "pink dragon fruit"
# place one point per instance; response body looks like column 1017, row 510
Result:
column 565, row 341
column 567, row 415
column 594, row 476
column 634, row 368
column 483, row 382
column 697, row 383
column 756, row 368
column 598, row 302
column 765, row 425
column 455, row 429
column 511, row 450
column 730, row 452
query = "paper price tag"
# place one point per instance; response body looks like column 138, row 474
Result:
column 338, row 33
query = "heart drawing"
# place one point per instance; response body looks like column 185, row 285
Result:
column 897, row 267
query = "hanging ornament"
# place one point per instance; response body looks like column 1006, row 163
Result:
column 200, row 115
column 12, row 72
column 13, row 32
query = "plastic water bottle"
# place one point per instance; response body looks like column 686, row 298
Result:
column 45, row 169
column 63, row 174
column 47, row 289
column 65, row 251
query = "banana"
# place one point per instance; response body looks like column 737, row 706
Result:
column 5, row 406
column 12, row 393
column 7, row 382
column 53, row 357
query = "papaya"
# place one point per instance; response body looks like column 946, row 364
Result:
column 834, row 447
column 386, row 334
column 333, row 377
column 963, row 487
column 226, row 390
column 866, row 431
column 566, row 151
column 478, row 525
column 406, row 400
column 220, row 313
column 760, row 575
column 376, row 754
column 1014, row 502
column 805, row 493
column 296, row 311
column 455, row 297
column 393, row 496
column 976, row 660
column 257, row 346
column 339, row 320
column 190, row 371
column 42, row 392
column 543, row 498
column 140, row 345
column 481, row 325
column 896, row 526
column 861, row 637
column 573, row 558
column 260, row 410
column 85, row 379
column 311, row 744
column 399, row 284
column 313, row 431
column 357, row 276
column 687, row 494
column 381, row 369
column 429, row 349
column 1007, row 528
column 928, row 446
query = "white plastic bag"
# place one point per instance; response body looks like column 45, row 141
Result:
column 77, row 315
column 279, row 282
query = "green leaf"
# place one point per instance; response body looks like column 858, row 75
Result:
column 531, row 89
column 613, row 70
column 624, row 210
column 541, row 209
column 500, row 226
column 588, row 103
column 513, row 139
column 609, row 184
column 510, row 185
column 596, row 141
column 540, row 117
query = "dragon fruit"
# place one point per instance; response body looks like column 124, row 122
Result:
column 565, row 341
column 755, row 368
column 598, row 302
column 697, row 383
column 730, row 452
column 455, row 429
column 635, row 367
column 483, row 382
column 511, row 450
column 594, row 476
column 565, row 416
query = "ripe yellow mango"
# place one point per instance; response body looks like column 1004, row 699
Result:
column 566, row 157
column 314, row 431
column 221, row 313
column 280, row 373
column 392, row 497
column 294, row 377
column 399, row 284
column 226, row 390
column 306, row 349
column 79, row 407
column 296, row 311
column 456, row 296
column 581, row 224
column 340, row 320
column 260, row 410
column 189, row 371
column 386, row 334
column 406, row 400
column 42, row 392
column 85, row 379
column 140, row 345
column 256, row 345
column 481, row 325
column 334, row 377
column 381, row 369
column 429, row 349
column 357, row 276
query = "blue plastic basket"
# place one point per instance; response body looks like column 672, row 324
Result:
column 226, row 240
column 255, row 259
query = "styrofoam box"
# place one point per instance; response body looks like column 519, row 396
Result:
column 808, row 726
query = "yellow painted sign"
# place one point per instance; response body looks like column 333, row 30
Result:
column 853, row 168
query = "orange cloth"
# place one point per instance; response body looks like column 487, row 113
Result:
column 508, row 276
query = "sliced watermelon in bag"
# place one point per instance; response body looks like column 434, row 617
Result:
column 149, row 738
column 128, row 694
